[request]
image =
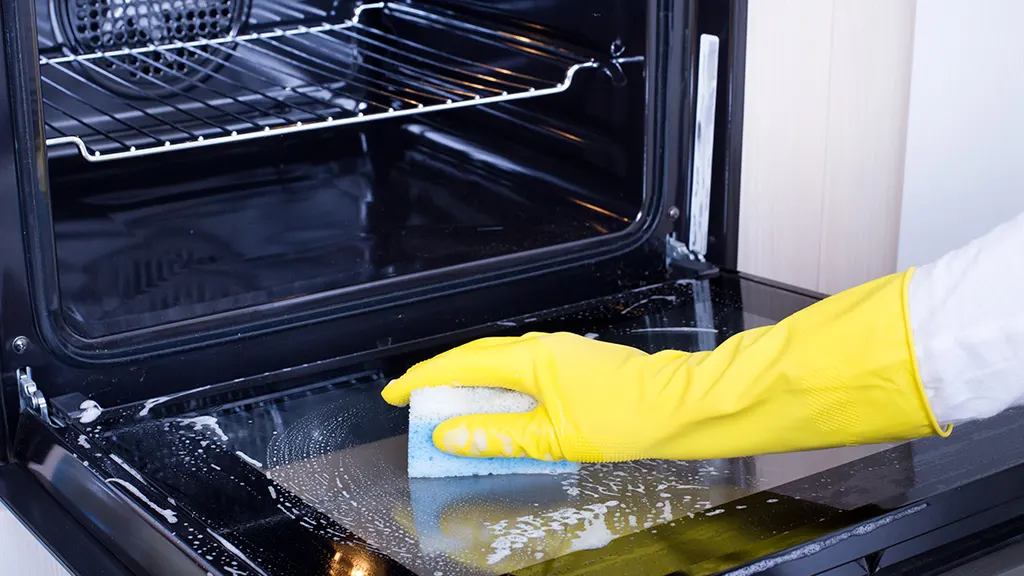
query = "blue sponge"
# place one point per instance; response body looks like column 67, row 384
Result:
column 429, row 407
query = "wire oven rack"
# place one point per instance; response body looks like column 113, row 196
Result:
column 288, row 81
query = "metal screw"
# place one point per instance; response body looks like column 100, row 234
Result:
column 673, row 212
column 20, row 344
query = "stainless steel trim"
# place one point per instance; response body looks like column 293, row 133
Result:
column 704, row 145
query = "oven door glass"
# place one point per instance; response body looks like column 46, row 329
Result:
column 309, row 476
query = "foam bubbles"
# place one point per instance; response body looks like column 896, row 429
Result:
column 90, row 412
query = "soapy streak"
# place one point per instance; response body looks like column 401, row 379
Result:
column 127, row 468
column 646, row 300
column 153, row 402
column 235, row 551
column 167, row 514
column 678, row 329
column 248, row 459
column 149, row 404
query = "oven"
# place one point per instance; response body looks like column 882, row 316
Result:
column 226, row 224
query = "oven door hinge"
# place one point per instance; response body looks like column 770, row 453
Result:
column 32, row 399
column 676, row 252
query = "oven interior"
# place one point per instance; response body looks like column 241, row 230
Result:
column 209, row 156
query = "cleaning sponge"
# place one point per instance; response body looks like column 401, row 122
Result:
column 429, row 407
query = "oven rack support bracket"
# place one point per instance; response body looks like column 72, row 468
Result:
column 32, row 399
column 428, row 81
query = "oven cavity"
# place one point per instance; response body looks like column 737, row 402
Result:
column 210, row 157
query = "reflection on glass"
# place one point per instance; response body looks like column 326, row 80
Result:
column 496, row 524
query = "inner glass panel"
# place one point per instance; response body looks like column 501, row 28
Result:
column 311, row 478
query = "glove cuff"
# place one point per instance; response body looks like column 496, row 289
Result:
column 936, row 426
column 852, row 359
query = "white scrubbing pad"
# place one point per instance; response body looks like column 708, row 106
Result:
column 429, row 407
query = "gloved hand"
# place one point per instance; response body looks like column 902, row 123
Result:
column 841, row 372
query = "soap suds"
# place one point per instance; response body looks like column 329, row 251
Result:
column 84, row 442
column 169, row 515
column 90, row 412
column 153, row 402
column 200, row 422
column 515, row 533
column 666, row 512
column 446, row 524
column 595, row 535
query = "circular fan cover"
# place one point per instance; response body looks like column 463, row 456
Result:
column 92, row 26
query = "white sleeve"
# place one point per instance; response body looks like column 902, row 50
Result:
column 967, row 318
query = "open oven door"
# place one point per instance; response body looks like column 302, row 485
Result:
column 303, row 471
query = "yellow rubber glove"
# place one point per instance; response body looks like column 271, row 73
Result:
column 841, row 372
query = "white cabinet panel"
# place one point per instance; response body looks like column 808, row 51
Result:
column 824, row 139
column 21, row 553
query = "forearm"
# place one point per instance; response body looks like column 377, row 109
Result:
column 967, row 319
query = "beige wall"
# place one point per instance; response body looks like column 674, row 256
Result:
column 827, row 98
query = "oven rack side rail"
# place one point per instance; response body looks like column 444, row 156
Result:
column 209, row 92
